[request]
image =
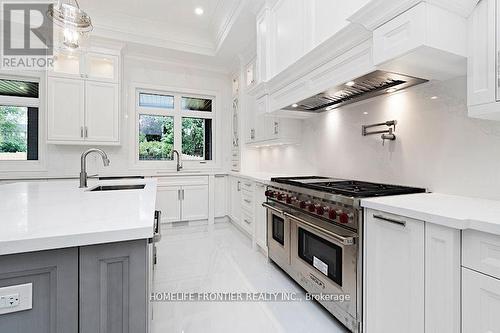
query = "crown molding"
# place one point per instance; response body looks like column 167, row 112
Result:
column 462, row 7
column 227, row 24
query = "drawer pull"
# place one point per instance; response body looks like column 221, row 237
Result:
column 247, row 201
column 386, row 219
column 247, row 222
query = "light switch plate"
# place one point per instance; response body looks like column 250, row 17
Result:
column 16, row 298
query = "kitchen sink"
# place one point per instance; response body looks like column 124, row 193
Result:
column 101, row 188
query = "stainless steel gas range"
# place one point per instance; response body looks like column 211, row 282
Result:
column 315, row 233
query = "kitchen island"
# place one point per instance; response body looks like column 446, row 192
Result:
column 76, row 260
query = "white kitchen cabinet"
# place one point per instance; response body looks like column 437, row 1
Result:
column 84, row 98
column 481, row 252
column 102, row 111
column 260, row 218
column 288, row 33
column 394, row 269
column 194, row 202
column 221, row 195
column 480, row 302
column 168, row 202
column 442, row 279
column 183, row 198
column 66, row 109
column 235, row 199
column 483, row 70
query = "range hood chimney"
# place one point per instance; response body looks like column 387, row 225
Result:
column 370, row 85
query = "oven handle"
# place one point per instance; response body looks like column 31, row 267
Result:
column 342, row 239
column 266, row 205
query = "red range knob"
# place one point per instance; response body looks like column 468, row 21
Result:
column 269, row 193
column 280, row 196
column 344, row 218
column 312, row 208
column 332, row 214
column 303, row 204
column 320, row 210
column 288, row 199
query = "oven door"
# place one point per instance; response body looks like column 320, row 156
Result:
column 324, row 261
column 278, row 235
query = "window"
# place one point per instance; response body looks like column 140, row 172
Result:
column 168, row 121
column 18, row 120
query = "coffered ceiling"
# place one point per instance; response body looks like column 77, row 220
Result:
column 170, row 24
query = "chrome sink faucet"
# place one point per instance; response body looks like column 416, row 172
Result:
column 83, row 161
column 179, row 164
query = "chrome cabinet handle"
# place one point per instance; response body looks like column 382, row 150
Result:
column 276, row 127
column 182, row 194
column 342, row 239
column 86, row 132
column 246, row 221
column 178, row 194
column 81, row 131
column 266, row 205
column 393, row 221
column 247, row 201
column 239, row 184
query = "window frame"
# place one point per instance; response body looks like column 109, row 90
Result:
column 177, row 113
column 10, row 169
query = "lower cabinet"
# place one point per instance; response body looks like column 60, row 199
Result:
column 220, row 195
column 235, row 199
column 394, row 256
column 54, row 278
column 480, row 302
column 97, row 288
column 260, row 219
column 113, row 287
column 412, row 275
column 182, row 198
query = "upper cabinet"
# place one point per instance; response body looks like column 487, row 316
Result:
column 84, row 98
column 483, row 68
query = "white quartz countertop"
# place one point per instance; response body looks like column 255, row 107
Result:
column 48, row 215
column 448, row 210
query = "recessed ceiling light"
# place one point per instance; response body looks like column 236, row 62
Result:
column 434, row 97
column 350, row 83
column 391, row 90
column 295, row 105
column 365, row 112
column 198, row 11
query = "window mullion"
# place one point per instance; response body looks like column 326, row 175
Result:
column 177, row 124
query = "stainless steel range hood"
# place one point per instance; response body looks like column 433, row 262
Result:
column 370, row 85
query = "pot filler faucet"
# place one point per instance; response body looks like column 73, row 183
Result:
column 179, row 164
column 83, row 160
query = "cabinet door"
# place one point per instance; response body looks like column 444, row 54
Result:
column 65, row 109
column 442, row 279
column 260, row 218
column 288, row 33
column 480, row 302
column 101, row 111
column 220, row 189
column 101, row 67
column 113, row 287
column 168, row 202
column 481, row 68
column 54, row 278
column 194, row 202
column 394, row 257
column 235, row 200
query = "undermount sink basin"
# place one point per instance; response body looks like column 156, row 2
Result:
column 101, row 188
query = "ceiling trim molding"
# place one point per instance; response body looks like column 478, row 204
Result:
column 169, row 43
column 377, row 12
column 227, row 24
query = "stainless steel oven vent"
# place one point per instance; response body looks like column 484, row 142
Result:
column 373, row 84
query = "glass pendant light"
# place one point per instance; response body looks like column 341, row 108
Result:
column 73, row 22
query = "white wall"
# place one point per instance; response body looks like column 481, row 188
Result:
column 437, row 146
column 64, row 161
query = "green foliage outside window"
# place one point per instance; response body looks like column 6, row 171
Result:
column 13, row 129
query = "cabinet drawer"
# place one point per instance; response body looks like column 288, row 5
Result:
column 247, row 185
column 235, row 165
column 247, row 200
column 480, row 302
column 400, row 35
column 247, row 221
column 481, row 252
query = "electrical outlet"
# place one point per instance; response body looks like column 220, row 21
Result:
column 16, row 298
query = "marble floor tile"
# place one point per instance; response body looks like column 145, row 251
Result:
column 219, row 258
